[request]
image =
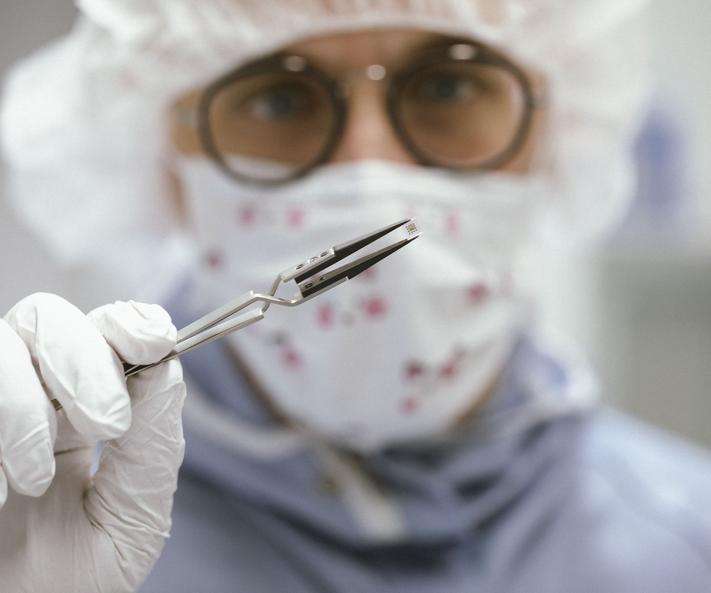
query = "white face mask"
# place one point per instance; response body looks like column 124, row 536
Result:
column 402, row 351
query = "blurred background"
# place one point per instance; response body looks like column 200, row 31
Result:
column 640, row 306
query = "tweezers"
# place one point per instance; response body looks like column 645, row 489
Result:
column 313, row 277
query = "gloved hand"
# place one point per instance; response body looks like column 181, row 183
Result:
column 60, row 529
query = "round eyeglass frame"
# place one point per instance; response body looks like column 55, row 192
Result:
column 285, row 62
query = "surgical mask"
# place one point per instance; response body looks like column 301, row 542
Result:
column 404, row 350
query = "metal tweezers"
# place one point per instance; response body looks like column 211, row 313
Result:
column 313, row 277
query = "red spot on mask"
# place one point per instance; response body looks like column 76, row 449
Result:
column 413, row 370
column 409, row 405
column 477, row 293
column 247, row 216
column 291, row 358
column 325, row 316
column 214, row 259
column 452, row 223
column 295, row 218
column 375, row 307
column 449, row 370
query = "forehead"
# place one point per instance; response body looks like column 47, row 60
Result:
column 362, row 48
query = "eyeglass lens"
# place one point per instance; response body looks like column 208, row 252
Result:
column 461, row 115
column 269, row 126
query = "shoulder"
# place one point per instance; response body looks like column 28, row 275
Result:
column 634, row 513
column 642, row 502
column 646, row 463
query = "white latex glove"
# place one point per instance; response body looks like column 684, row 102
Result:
column 61, row 530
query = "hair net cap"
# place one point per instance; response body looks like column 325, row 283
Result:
column 83, row 120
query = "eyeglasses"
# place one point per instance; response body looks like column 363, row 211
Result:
column 461, row 106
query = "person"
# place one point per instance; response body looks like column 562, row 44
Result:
column 410, row 430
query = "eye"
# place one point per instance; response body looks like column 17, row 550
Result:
column 280, row 102
column 447, row 88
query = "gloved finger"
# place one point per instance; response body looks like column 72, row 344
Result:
column 75, row 362
column 139, row 333
column 28, row 425
column 132, row 494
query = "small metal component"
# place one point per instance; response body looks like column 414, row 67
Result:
column 313, row 277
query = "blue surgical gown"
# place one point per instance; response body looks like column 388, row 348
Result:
column 578, row 500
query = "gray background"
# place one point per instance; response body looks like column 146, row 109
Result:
column 641, row 310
